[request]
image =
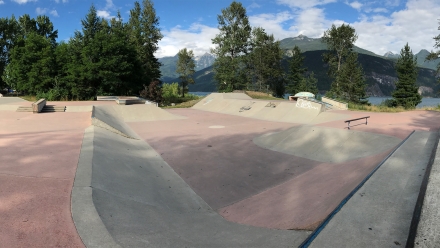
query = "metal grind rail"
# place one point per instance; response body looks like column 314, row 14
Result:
column 366, row 121
column 324, row 223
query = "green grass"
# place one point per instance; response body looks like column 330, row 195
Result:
column 261, row 95
column 375, row 108
column 186, row 104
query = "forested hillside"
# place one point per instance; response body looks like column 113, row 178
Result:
column 380, row 75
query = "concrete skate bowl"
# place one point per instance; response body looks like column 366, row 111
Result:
column 301, row 111
column 138, row 200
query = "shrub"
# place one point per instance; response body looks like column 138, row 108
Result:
column 152, row 92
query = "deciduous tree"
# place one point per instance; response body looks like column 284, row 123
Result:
column 436, row 54
column 340, row 41
column 185, row 67
column 232, row 43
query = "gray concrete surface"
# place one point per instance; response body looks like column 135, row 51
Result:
column 380, row 213
column 320, row 143
column 79, row 108
column 89, row 225
column 106, row 117
column 8, row 100
column 144, row 203
column 429, row 225
column 240, row 104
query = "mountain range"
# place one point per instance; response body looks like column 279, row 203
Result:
column 379, row 70
column 169, row 65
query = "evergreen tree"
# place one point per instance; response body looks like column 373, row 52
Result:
column 339, row 42
column 310, row 84
column 232, row 44
column 296, row 72
column 185, row 67
column 406, row 92
column 145, row 35
column 264, row 62
column 351, row 79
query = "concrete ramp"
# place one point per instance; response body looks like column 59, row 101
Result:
column 108, row 118
column 113, row 117
column 326, row 145
column 144, row 112
column 301, row 111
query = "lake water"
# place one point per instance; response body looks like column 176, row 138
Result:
column 373, row 100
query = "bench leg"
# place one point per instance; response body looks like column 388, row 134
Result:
column 348, row 125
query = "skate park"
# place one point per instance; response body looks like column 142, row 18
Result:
column 229, row 172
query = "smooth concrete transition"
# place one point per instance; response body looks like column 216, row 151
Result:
column 301, row 111
column 107, row 117
column 87, row 221
column 146, row 204
column 428, row 228
column 320, row 143
column 113, row 118
column 380, row 213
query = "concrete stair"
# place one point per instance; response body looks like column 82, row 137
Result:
column 53, row 108
column 24, row 109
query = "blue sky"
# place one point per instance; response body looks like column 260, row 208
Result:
column 382, row 25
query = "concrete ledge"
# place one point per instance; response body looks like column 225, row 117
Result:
column 38, row 106
column 122, row 100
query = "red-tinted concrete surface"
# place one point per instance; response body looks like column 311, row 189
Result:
column 251, row 185
column 38, row 159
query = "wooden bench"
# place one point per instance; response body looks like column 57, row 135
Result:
column 366, row 121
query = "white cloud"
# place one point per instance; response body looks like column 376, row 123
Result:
column 40, row 11
column 109, row 4
column 23, row 1
column 416, row 24
column 54, row 13
column 356, row 5
column 311, row 23
column 380, row 10
column 197, row 38
column 254, row 5
column 43, row 11
column 64, row 1
column 104, row 14
column 2, row 2
column 304, row 4
column 273, row 23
